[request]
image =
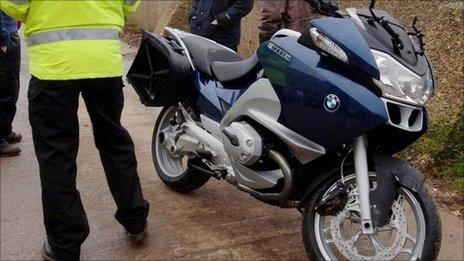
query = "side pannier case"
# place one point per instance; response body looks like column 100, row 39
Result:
column 161, row 72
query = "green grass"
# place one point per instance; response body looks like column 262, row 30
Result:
column 455, row 170
column 450, row 160
column 443, row 147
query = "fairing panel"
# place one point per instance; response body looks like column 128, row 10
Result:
column 304, row 79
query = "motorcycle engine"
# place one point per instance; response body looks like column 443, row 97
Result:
column 242, row 143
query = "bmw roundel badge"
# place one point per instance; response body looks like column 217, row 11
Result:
column 331, row 103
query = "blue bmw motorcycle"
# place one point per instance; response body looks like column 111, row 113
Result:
column 311, row 121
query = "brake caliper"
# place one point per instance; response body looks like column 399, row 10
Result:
column 334, row 202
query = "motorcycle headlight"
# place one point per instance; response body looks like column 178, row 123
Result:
column 325, row 44
column 401, row 84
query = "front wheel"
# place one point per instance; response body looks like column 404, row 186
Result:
column 414, row 230
column 174, row 170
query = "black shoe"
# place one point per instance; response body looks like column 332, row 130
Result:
column 14, row 138
column 47, row 252
column 138, row 237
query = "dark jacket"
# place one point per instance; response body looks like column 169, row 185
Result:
column 228, row 13
column 8, row 26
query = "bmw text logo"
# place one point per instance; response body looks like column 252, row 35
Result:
column 331, row 103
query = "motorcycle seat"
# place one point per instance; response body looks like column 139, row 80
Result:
column 205, row 52
column 230, row 71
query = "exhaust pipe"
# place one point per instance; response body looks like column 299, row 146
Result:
column 288, row 181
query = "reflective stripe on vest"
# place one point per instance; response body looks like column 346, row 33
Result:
column 130, row 2
column 19, row 2
column 72, row 34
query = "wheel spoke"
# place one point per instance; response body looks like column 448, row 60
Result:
column 406, row 250
column 413, row 240
column 354, row 240
column 377, row 245
column 385, row 228
column 400, row 199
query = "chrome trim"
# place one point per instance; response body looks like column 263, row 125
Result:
column 260, row 102
column 212, row 126
column 286, row 32
column 250, row 145
column 255, row 179
column 362, row 180
column 406, row 111
column 208, row 143
column 175, row 33
column 287, row 176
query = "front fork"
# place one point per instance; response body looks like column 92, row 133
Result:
column 362, row 180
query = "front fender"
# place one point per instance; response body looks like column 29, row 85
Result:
column 392, row 173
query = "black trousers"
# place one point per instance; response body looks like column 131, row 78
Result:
column 53, row 116
column 9, row 85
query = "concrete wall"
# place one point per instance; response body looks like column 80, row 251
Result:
column 154, row 14
column 249, row 40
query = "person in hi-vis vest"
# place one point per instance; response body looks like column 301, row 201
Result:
column 74, row 49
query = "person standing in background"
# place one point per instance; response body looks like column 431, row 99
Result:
column 219, row 21
column 75, row 49
column 288, row 14
column 10, row 57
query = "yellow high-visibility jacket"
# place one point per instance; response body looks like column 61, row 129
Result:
column 70, row 40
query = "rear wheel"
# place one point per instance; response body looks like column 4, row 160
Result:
column 414, row 230
column 174, row 170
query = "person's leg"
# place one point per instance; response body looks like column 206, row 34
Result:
column 16, row 66
column 9, row 89
column 104, row 101
column 297, row 15
column 271, row 18
column 55, row 130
